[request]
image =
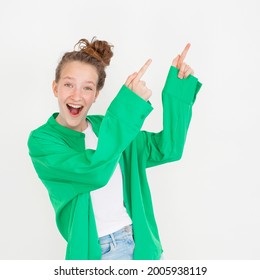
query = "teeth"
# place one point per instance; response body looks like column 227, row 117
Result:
column 75, row 106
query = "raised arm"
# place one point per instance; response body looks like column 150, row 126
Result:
column 178, row 96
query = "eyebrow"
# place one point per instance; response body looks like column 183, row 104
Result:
column 71, row 78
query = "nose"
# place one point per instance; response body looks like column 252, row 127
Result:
column 76, row 94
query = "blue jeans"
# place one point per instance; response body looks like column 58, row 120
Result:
column 118, row 245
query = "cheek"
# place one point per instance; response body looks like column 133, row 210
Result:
column 63, row 94
column 89, row 98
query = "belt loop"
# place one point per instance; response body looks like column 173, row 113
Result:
column 113, row 239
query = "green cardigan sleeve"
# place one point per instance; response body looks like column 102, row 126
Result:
column 57, row 159
column 178, row 96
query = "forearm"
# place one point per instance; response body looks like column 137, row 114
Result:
column 178, row 97
column 122, row 122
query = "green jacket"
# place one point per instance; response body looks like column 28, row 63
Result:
column 70, row 172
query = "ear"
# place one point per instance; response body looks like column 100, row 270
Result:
column 55, row 88
column 97, row 94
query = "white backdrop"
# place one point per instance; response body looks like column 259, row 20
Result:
column 207, row 205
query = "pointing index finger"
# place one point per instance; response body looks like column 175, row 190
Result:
column 183, row 54
column 143, row 69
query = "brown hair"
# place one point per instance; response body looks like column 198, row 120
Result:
column 97, row 53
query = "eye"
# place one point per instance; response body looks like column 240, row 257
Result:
column 69, row 85
column 88, row 88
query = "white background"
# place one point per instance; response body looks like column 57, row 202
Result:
column 208, row 204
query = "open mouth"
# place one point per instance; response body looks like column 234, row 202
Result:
column 74, row 109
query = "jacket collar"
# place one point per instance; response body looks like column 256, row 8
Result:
column 65, row 130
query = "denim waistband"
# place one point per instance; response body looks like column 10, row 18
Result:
column 127, row 230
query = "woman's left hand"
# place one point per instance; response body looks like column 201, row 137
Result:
column 184, row 69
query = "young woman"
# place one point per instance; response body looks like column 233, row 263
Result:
column 94, row 167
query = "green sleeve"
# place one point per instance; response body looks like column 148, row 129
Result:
column 178, row 96
column 86, row 170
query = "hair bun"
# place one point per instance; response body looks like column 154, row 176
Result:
column 101, row 50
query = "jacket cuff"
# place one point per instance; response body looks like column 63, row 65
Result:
column 185, row 89
column 130, row 107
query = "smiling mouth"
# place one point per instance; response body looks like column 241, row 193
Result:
column 74, row 109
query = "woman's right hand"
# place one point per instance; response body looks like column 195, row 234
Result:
column 138, row 86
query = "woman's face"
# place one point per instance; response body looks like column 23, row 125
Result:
column 76, row 91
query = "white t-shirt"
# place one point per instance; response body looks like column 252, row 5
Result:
column 108, row 205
